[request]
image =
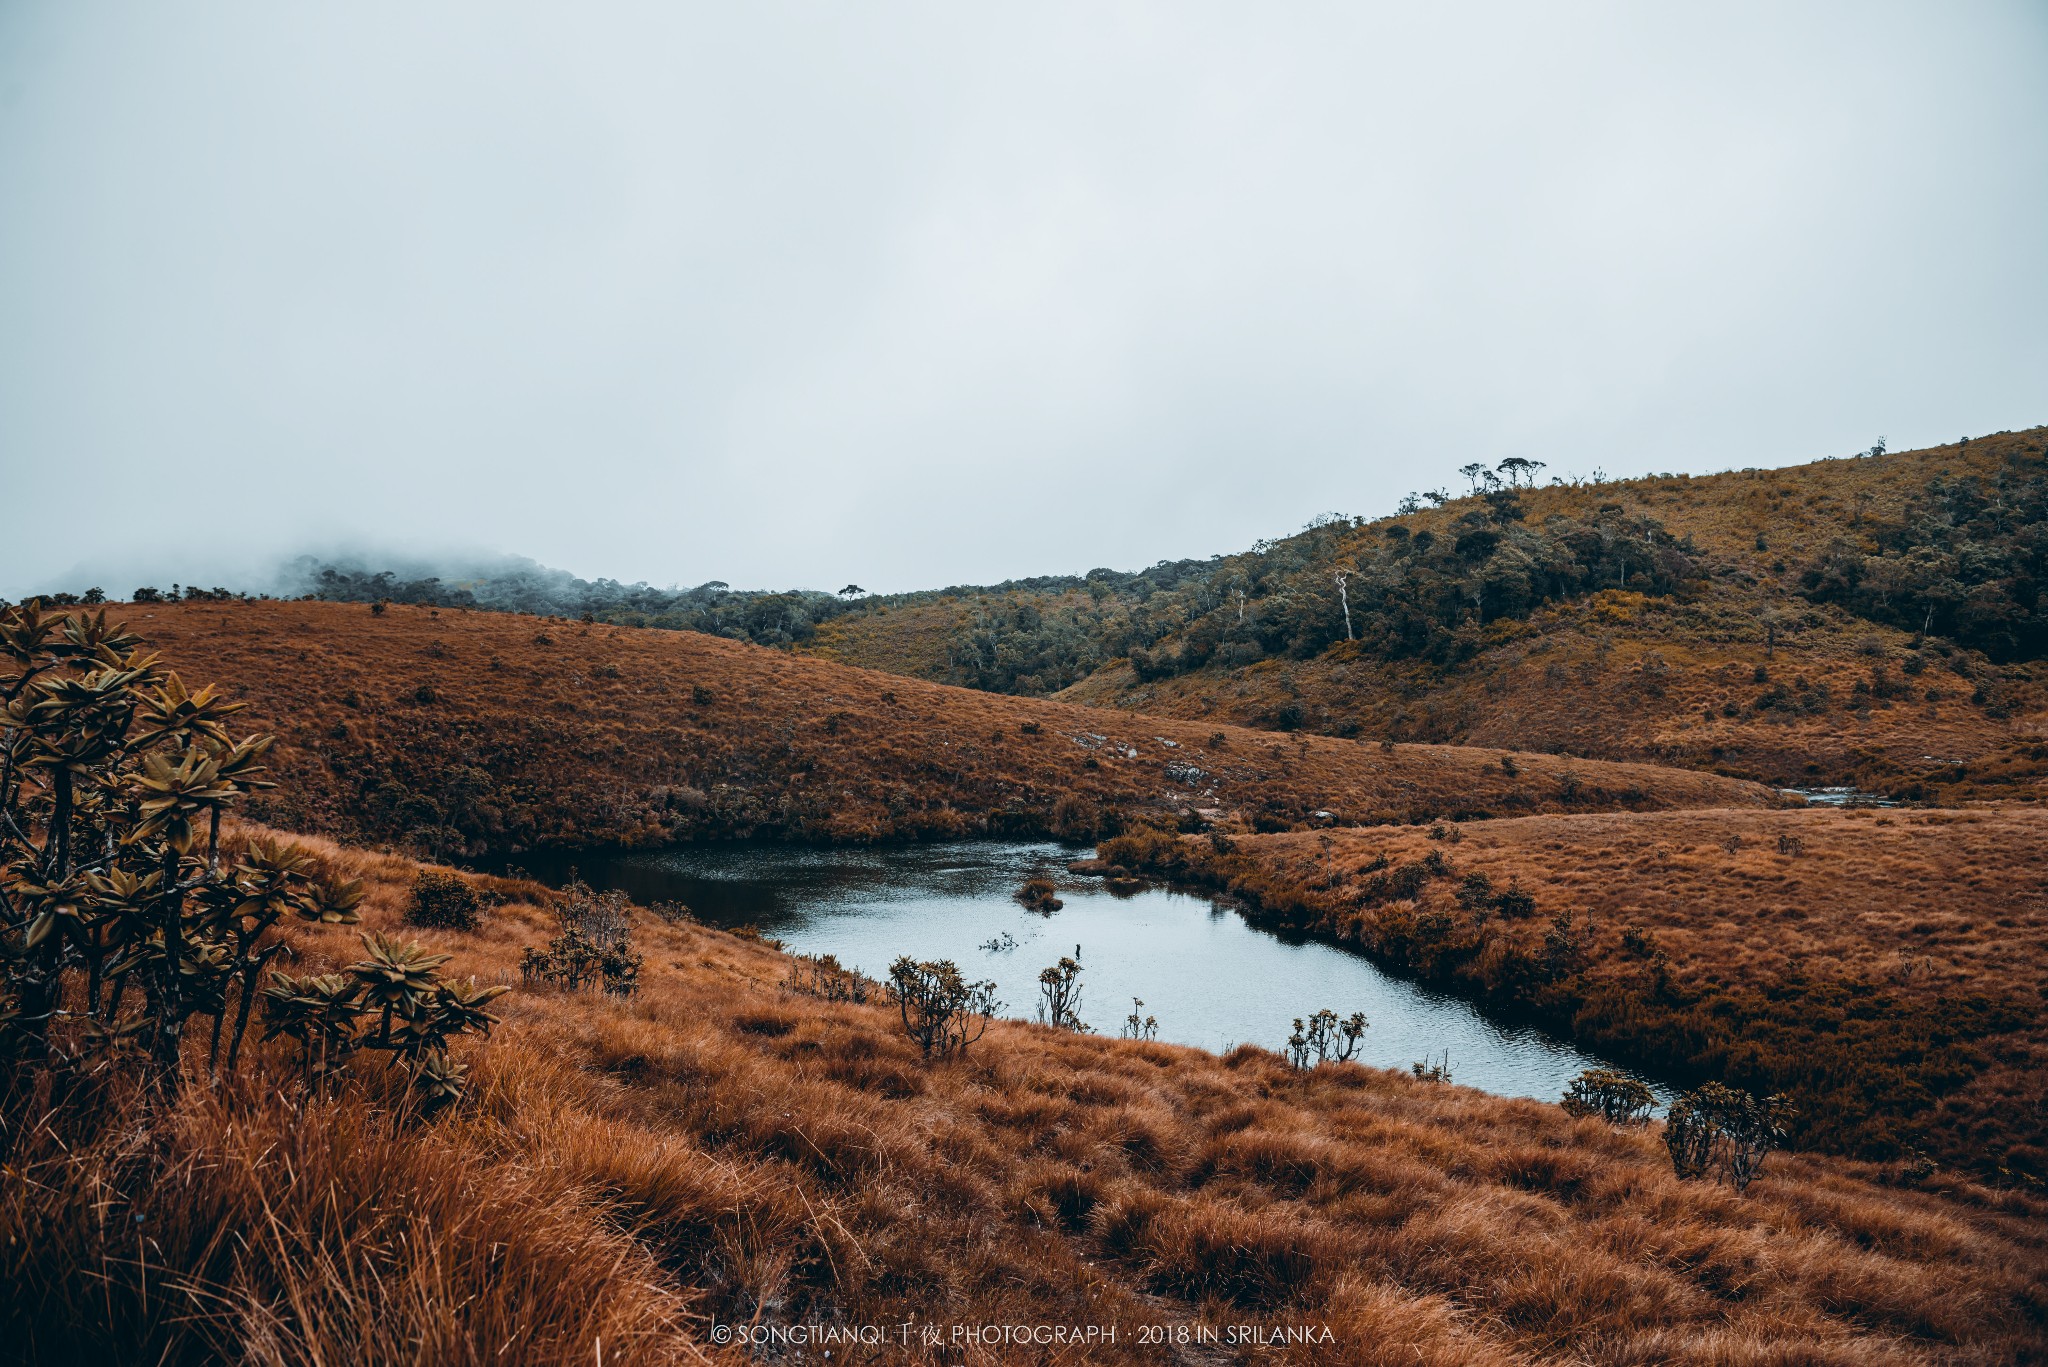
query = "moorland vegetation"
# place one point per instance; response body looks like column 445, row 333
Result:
column 625, row 1173
column 1873, row 621
column 673, row 1127
column 1748, row 948
column 469, row 734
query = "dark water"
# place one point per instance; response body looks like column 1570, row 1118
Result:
column 1840, row 797
column 1210, row 977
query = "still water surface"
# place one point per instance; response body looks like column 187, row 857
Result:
column 1210, row 977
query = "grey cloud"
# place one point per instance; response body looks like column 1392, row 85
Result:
column 914, row 295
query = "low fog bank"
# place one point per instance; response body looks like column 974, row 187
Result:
column 496, row 582
column 483, row 581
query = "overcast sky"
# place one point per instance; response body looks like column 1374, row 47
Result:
column 923, row 294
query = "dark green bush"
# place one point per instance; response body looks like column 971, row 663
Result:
column 1727, row 1132
column 592, row 946
column 942, row 1012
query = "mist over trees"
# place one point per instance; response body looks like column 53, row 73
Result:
column 1964, row 560
column 516, row 584
column 1395, row 590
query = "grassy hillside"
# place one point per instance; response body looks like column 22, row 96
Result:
column 1886, row 970
column 718, row 1150
column 474, row 732
column 1761, row 622
column 1743, row 670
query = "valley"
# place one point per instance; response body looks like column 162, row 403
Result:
column 1476, row 860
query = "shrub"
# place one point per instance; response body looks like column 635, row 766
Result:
column 1325, row 1039
column 1145, row 848
column 823, row 977
column 1515, row 904
column 1564, row 946
column 1059, row 996
column 942, row 1012
column 442, row 901
column 1074, row 817
column 1475, row 893
column 1037, row 894
column 392, row 1000
column 592, row 946
column 1615, row 1097
column 1719, row 1129
column 1433, row 1070
column 1135, row 1028
column 115, row 890
column 1640, row 943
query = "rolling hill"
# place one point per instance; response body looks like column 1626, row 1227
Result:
column 1874, row 621
column 1762, row 623
column 726, row 1147
column 479, row 733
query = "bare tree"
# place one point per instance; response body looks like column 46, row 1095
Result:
column 1771, row 619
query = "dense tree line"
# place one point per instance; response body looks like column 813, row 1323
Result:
column 1397, row 590
column 1966, row 560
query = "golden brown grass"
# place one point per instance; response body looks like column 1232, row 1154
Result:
column 476, row 732
column 1885, row 967
column 717, row 1148
column 912, row 638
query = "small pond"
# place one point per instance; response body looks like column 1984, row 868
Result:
column 1210, row 977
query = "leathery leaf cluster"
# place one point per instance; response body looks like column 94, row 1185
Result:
column 126, row 926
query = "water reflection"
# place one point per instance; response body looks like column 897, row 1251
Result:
column 1210, row 977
